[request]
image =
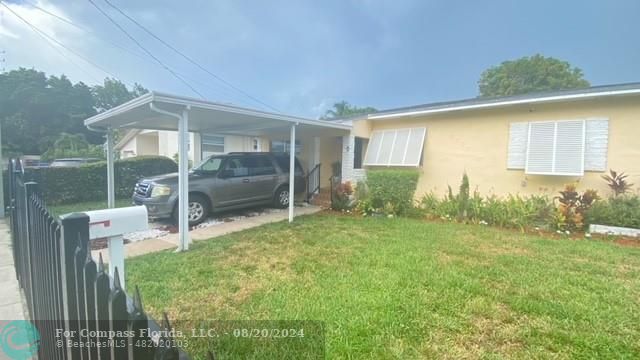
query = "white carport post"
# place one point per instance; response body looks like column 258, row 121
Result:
column 292, row 169
column 183, row 180
column 183, row 173
column 111, row 195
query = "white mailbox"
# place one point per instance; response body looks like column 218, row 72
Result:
column 112, row 224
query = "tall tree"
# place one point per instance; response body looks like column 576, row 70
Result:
column 73, row 145
column 35, row 109
column 344, row 109
column 530, row 74
column 113, row 92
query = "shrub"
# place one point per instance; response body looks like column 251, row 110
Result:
column 391, row 191
column 616, row 211
column 342, row 197
column 617, row 182
column 512, row 211
column 89, row 182
column 572, row 207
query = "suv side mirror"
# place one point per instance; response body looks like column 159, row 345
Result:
column 224, row 174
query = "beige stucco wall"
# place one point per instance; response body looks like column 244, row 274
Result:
column 147, row 144
column 129, row 149
column 476, row 142
column 168, row 144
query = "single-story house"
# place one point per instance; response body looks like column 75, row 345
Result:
column 526, row 144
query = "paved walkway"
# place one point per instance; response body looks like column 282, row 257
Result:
column 10, row 300
column 171, row 241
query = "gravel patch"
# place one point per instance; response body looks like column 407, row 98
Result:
column 159, row 228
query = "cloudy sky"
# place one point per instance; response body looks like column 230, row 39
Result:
column 300, row 56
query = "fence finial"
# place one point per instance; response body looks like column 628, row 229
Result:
column 137, row 300
column 88, row 259
column 165, row 321
column 101, row 268
column 116, row 280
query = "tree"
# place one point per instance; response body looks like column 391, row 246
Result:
column 113, row 93
column 530, row 74
column 73, row 145
column 35, row 109
column 344, row 109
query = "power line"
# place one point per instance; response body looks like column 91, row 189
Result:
column 50, row 40
column 189, row 59
column 145, row 50
column 82, row 28
column 119, row 46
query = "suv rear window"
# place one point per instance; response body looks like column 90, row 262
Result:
column 283, row 163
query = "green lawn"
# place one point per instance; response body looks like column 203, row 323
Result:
column 86, row 206
column 403, row 288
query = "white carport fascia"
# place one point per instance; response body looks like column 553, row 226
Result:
column 158, row 97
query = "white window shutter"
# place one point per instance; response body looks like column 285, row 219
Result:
column 597, row 143
column 517, row 155
column 540, row 150
column 569, row 149
column 395, row 147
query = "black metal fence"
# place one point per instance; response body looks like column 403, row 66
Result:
column 66, row 290
column 313, row 182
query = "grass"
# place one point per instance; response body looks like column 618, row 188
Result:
column 86, row 206
column 403, row 288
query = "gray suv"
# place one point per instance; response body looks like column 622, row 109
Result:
column 222, row 182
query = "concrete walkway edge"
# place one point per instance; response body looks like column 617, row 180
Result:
column 11, row 301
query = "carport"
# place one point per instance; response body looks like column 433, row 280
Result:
column 160, row 111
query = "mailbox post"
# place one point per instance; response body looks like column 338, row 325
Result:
column 112, row 224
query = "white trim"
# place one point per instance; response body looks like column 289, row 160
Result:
column 503, row 103
column 195, row 103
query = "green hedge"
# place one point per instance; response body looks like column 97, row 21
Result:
column 89, row 182
column 392, row 190
column 616, row 211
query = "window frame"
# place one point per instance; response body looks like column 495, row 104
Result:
column 553, row 171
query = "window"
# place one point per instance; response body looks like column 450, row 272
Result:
column 256, row 144
column 283, row 163
column 211, row 164
column 359, row 149
column 283, row 146
column 262, row 165
column 395, row 147
column 556, row 148
column 211, row 144
column 239, row 166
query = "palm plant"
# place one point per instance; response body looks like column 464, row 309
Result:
column 617, row 182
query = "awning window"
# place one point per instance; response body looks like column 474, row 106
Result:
column 395, row 147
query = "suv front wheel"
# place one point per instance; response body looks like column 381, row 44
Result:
column 198, row 210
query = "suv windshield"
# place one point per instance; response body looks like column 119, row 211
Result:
column 210, row 164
